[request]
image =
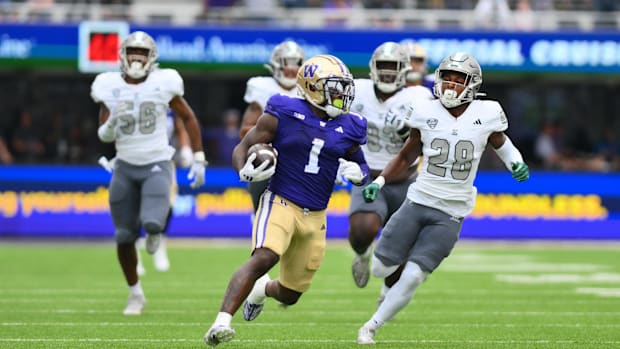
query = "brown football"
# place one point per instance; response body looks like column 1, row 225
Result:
column 263, row 152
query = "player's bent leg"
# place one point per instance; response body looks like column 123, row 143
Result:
column 401, row 293
column 363, row 228
column 380, row 270
column 140, row 267
column 256, row 299
column 160, row 257
column 153, row 236
column 360, row 268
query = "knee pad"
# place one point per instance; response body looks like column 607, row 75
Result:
column 152, row 228
column 124, row 236
column 380, row 270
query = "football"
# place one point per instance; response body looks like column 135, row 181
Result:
column 263, row 152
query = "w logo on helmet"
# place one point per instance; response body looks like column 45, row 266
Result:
column 310, row 69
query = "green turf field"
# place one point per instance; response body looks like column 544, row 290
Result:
column 536, row 295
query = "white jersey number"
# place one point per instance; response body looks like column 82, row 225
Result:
column 463, row 157
column 146, row 119
column 313, row 159
column 373, row 137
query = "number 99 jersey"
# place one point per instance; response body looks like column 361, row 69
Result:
column 383, row 142
column 141, row 135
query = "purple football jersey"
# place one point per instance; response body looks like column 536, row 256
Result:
column 308, row 150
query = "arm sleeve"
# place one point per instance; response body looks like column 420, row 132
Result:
column 509, row 153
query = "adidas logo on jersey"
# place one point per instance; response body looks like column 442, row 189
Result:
column 478, row 122
column 156, row 168
column 339, row 129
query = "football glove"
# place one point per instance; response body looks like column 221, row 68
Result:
column 120, row 109
column 185, row 156
column 108, row 165
column 394, row 122
column 520, row 171
column 197, row 170
column 249, row 173
column 351, row 171
column 371, row 191
column 340, row 180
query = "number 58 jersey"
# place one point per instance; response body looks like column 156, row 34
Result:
column 452, row 148
column 140, row 135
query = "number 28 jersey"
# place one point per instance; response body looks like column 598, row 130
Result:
column 141, row 131
column 452, row 148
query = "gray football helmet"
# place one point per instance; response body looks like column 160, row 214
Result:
column 138, row 66
column 389, row 80
column 463, row 63
column 287, row 54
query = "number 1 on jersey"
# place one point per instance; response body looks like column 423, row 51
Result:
column 313, row 159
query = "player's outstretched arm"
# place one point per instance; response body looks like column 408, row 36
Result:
column 399, row 164
column 510, row 155
column 179, row 105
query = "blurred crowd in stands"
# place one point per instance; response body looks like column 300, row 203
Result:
column 539, row 5
column 497, row 14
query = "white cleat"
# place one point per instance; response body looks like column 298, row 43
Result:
column 135, row 305
column 366, row 335
column 219, row 334
column 256, row 299
column 361, row 270
column 160, row 257
column 152, row 242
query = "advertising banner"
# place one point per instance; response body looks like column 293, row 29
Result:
column 94, row 42
column 73, row 202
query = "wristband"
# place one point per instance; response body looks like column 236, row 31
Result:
column 380, row 181
column 199, row 156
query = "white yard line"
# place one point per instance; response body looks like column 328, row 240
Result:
column 305, row 341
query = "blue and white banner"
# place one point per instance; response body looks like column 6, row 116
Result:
column 569, row 52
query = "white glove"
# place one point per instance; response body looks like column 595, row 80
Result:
column 197, row 170
column 120, row 108
column 108, row 165
column 340, row 180
column 250, row 174
column 107, row 131
column 351, row 171
column 185, row 156
column 394, row 121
